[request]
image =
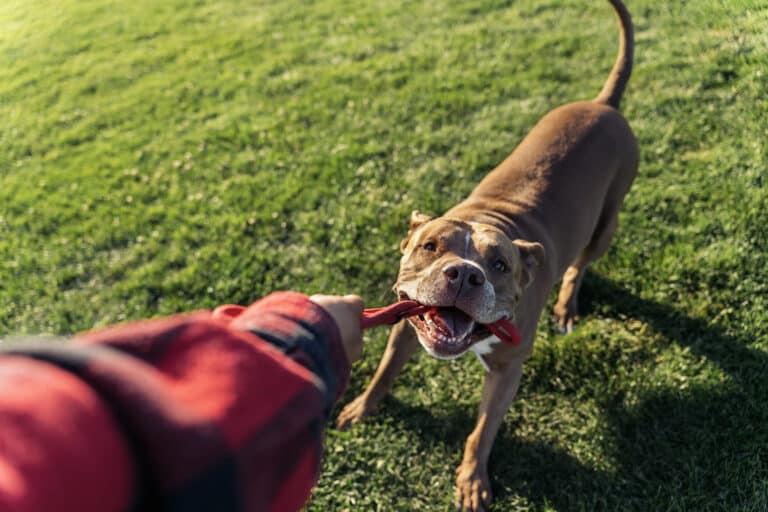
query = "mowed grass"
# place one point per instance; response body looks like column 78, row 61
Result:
column 157, row 157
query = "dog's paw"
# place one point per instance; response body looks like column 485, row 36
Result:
column 473, row 488
column 354, row 411
column 566, row 317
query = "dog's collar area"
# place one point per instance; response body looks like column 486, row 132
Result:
column 373, row 317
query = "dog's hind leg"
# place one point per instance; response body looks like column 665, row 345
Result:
column 401, row 345
column 566, row 309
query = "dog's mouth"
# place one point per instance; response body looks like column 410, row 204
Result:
column 444, row 331
column 447, row 332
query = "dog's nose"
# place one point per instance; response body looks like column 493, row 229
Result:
column 462, row 273
column 476, row 277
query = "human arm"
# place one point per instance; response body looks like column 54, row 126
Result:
column 213, row 415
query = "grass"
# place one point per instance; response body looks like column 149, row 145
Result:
column 165, row 156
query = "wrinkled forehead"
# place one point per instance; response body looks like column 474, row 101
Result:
column 458, row 235
column 444, row 230
column 485, row 236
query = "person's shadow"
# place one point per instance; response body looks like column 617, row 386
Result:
column 705, row 448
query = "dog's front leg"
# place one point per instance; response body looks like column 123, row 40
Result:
column 473, row 487
column 402, row 343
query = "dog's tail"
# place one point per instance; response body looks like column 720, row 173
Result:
column 622, row 69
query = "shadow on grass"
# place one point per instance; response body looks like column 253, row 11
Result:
column 672, row 450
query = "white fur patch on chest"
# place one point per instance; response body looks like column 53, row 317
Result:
column 484, row 347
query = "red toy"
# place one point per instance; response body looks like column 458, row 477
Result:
column 373, row 317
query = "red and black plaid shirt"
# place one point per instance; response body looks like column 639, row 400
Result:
column 201, row 412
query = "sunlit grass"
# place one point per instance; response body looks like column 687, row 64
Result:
column 157, row 157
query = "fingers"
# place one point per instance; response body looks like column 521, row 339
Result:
column 346, row 311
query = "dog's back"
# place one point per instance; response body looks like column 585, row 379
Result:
column 582, row 152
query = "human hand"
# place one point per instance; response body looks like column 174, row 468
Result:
column 346, row 311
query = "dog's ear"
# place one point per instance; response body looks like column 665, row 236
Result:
column 531, row 257
column 416, row 220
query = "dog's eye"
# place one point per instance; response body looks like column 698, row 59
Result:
column 430, row 246
column 500, row 266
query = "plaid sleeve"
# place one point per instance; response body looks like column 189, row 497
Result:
column 304, row 332
column 215, row 417
column 60, row 448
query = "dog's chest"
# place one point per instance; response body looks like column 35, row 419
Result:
column 484, row 347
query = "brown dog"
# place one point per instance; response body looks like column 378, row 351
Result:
column 545, row 213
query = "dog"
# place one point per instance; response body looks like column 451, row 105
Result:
column 541, row 216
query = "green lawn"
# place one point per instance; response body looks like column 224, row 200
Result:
column 165, row 156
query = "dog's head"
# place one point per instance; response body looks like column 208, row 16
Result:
column 470, row 273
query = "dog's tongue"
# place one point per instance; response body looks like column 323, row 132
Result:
column 451, row 321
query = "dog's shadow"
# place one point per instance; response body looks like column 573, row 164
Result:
column 674, row 449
